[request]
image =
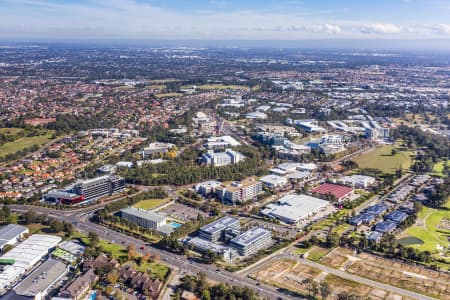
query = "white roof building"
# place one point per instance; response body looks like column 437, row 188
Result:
column 274, row 181
column 357, row 181
column 293, row 208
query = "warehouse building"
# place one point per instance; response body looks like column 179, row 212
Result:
column 213, row 231
column 293, row 208
column 41, row 280
column 274, row 181
column 24, row 257
column 357, row 181
column 11, row 234
column 340, row 192
column 252, row 241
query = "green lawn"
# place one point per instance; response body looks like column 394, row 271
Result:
column 431, row 234
column 22, row 143
column 151, row 203
column 438, row 169
column 10, row 131
column 381, row 158
column 220, row 87
column 316, row 253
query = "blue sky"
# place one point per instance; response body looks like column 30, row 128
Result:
column 225, row 19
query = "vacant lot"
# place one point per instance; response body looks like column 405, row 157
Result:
column 22, row 143
column 316, row 253
column 290, row 274
column 151, row 203
column 336, row 258
column 381, row 158
column 404, row 276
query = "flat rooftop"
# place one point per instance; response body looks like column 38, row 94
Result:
column 250, row 236
column 9, row 232
column 41, row 278
column 144, row 214
column 336, row 190
column 219, row 225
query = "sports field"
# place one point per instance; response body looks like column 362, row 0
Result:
column 433, row 228
column 381, row 158
column 222, row 87
column 22, row 143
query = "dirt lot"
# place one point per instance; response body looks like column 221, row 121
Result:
column 336, row 258
column 290, row 274
column 408, row 277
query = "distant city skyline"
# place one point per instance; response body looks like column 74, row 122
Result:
column 225, row 19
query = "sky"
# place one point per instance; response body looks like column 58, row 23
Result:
column 225, row 19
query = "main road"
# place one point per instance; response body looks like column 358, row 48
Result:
column 177, row 262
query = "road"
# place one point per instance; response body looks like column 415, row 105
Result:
column 177, row 262
column 344, row 275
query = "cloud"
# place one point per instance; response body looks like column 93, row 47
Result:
column 381, row 28
column 442, row 29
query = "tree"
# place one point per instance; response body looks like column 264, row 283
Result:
column 56, row 226
column 325, row 290
column 93, row 238
column 131, row 251
column 206, row 295
column 112, row 277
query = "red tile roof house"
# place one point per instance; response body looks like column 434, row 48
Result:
column 340, row 192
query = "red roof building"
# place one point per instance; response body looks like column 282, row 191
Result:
column 338, row 191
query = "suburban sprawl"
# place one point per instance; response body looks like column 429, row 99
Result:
column 235, row 173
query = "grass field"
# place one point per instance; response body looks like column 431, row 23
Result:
column 22, row 143
column 164, row 95
column 432, row 233
column 10, row 131
column 439, row 168
column 316, row 253
column 151, row 203
column 221, row 87
column 381, row 158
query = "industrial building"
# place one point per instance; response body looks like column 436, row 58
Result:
column 340, row 192
column 293, row 208
column 11, row 234
column 357, row 181
column 41, row 280
column 274, row 181
column 24, row 257
column 252, row 241
column 239, row 191
column 213, row 231
column 218, row 159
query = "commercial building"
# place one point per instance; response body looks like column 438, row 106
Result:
column 213, row 231
column 293, row 208
column 202, row 245
column 143, row 218
column 11, row 234
column 221, row 142
column 40, row 281
column 98, row 187
column 252, row 241
column 218, row 159
column 310, row 126
column 24, row 257
column 386, row 227
column 62, row 197
column 207, row 187
column 274, row 181
column 339, row 192
column 239, row 191
column 156, row 148
column 357, row 181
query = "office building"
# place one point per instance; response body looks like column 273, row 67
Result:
column 221, row 142
column 357, row 181
column 218, row 159
column 156, row 148
column 98, row 187
column 213, row 231
column 239, row 191
column 252, row 241
column 274, row 181
column 143, row 218
column 207, row 187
